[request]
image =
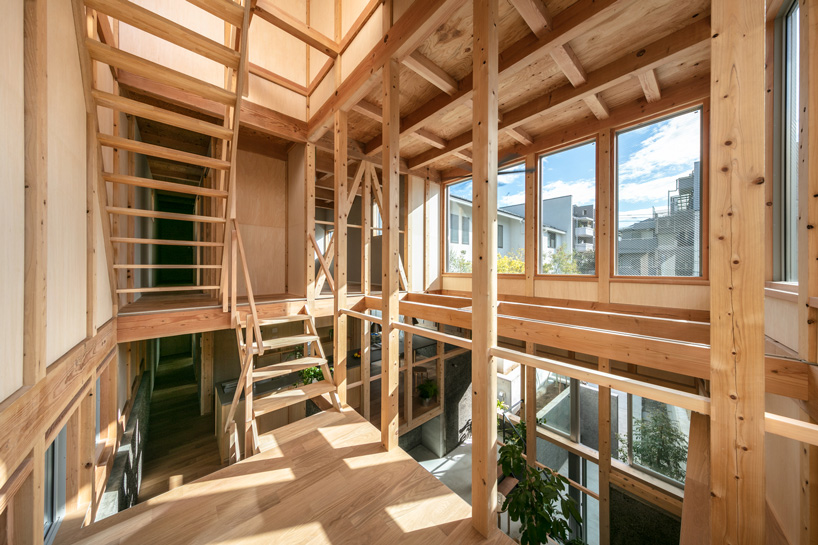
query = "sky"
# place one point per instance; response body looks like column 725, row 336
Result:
column 650, row 159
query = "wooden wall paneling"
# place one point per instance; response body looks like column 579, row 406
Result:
column 369, row 35
column 675, row 295
column 581, row 290
column 340, row 269
column 737, row 272
column 484, row 317
column 390, row 282
column 414, row 232
column 35, row 84
column 297, row 235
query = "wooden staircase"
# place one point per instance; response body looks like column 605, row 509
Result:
column 213, row 195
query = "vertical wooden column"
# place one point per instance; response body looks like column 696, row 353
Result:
column 91, row 170
column 340, row 269
column 309, row 223
column 604, row 431
column 427, row 228
column 28, row 504
column 532, row 265
column 36, row 189
column 366, row 288
column 206, row 395
column 484, row 267
column 390, row 378
column 737, row 272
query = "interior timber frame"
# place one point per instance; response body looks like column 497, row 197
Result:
column 309, row 149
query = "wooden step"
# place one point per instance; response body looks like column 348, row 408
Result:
column 147, row 69
column 223, row 9
column 164, row 186
column 151, row 266
column 284, row 342
column 280, row 320
column 279, row 400
column 168, row 30
column 158, row 151
column 162, row 215
column 286, row 367
column 163, row 289
column 154, row 113
column 164, row 242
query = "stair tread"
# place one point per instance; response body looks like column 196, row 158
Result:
column 280, row 320
column 286, row 367
column 283, row 342
column 280, row 400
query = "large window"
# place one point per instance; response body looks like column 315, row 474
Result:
column 790, row 139
column 54, row 487
column 568, row 211
column 458, row 245
column 659, row 198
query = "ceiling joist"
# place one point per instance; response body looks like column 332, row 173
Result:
column 650, row 85
column 431, row 72
column 535, row 14
column 292, row 26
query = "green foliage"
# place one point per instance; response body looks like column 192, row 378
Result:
column 586, row 262
column 459, row 262
column 309, row 374
column 513, row 262
column 501, row 405
column 658, row 443
column 427, row 389
column 535, row 499
column 560, row 262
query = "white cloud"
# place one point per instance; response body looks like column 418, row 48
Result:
column 629, row 217
column 582, row 191
column 675, row 143
column 652, row 190
column 511, row 199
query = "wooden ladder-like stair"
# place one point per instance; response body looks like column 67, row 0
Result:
column 211, row 218
column 252, row 345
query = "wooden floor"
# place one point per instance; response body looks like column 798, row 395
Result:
column 181, row 445
column 322, row 480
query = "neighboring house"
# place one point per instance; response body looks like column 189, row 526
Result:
column 667, row 244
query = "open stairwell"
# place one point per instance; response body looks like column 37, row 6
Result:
column 212, row 196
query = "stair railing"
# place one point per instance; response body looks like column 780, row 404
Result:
column 237, row 251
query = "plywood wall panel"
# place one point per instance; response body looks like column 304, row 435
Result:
column 278, row 51
column 580, row 290
column 296, row 239
column 662, row 295
column 277, row 98
column 66, row 275
column 322, row 93
column 370, row 35
column 12, row 172
column 781, row 321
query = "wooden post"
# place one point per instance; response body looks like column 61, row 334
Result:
column 206, row 394
column 29, row 501
column 409, row 362
column 737, row 272
column 340, row 269
column 309, row 223
column 390, row 377
column 604, row 438
column 366, row 287
column 36, row 190
column 91, row 171
column 484, row 267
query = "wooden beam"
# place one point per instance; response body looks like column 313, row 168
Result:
column 281, row 81
column 650, row 85
column 227, row 10
column 309, row 224
column 484, row 272
column 568, row 62
column 368, row 11
column 340, row 237
column 598, row 106
column 431, row 138
column 620, row 70
column 390, row 241
column 520, row 135
column 535, row 14
column 369, row 110
column 292, row 26
column 431, row 72
column 737, row 487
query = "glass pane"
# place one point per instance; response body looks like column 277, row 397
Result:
column 659, row 437
column 568, row 218
column 554, row 401
column 511, row 220
column 458, row 244
column 791, row 142
column 659, row 198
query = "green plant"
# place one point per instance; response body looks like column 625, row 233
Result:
column 513, row 262
column 535, row 500
column 458, row 262
column 562, row 261
column 427, row 389
column 658, row 443
column 309, row 374
column 501, row 405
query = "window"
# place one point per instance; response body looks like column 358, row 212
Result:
column 511, row 220
column 458, row 247
column 567, row 211
column 659, row 198
column 454, row 234
column 788, row 190
column 499, row 236
column 54, row 486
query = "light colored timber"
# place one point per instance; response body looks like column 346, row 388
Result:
column 166, row 289
column 131, row 266
column 362, row 316
column 535, row 14
column 157, row 241
column 162, row 215
column 141, row 109
column 520, row 135
column 280, row 400
column 285, row 342
column 285, row 368
column 153, row 23
column 431, row 138
column 265, row 9
column 162, row 152
column 598, row 106
column 272, row 77
column 369, row 110
column 650, row 85
column 791, row 428
column 568, row 62
column 157, row 72
column 431, row 72
column 226, row 10
column 164, row 186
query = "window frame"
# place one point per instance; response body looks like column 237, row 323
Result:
column 704, row 107
column 58, row 466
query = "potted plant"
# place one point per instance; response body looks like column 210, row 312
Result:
column 534, row 500
column 427, row 390
column 310, row 375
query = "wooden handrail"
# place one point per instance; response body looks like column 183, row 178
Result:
column 245, row 369
column 250, row 297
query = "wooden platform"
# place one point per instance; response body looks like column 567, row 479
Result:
column 322, row 480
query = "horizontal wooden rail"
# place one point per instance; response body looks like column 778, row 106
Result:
column 791, row 428
column 226, row 10
column 272, row 77
column 117, row 58
column 154, row 113
column 13, row 484
column 362, row 316
column 699, row 404
column 162, row 215
column 153, row 23
column 156, row 266
column 159, row 151
column 164, row 242
column 163, row 289
column 164, row 186
column 432, row 334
